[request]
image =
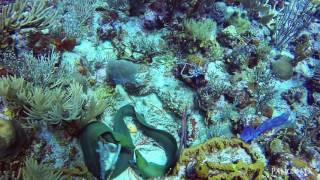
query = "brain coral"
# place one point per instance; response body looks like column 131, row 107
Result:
column 282, row 69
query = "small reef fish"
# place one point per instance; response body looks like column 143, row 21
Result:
column 250, row 133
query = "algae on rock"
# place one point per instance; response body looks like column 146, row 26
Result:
column 198, row 163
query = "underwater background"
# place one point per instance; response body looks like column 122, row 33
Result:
column 159, row 89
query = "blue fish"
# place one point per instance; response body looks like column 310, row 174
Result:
column 250, row 133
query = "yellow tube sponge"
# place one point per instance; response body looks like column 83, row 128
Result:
column 201, row 161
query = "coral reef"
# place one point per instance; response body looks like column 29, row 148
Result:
column 199, row 161
column 217, row 80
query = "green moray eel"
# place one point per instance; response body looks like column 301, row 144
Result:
column 95, row 131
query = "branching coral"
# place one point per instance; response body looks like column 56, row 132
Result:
column 51, row 105
column 146, row 46
column 41, row 71
column 262, row 85
column 77, row 14
column 19, row 15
